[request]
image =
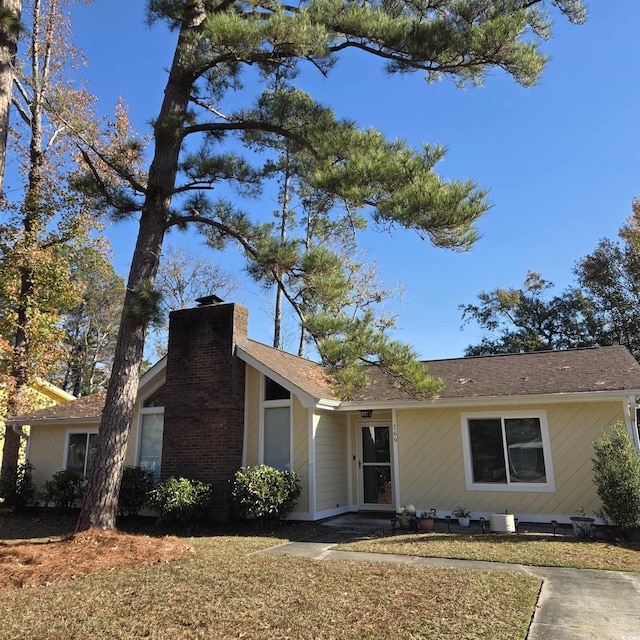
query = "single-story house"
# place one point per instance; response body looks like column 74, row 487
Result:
column 509, row 433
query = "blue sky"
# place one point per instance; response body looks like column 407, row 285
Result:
column 561, row 160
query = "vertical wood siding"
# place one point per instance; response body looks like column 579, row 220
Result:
column 252, row 416
column 331, row 461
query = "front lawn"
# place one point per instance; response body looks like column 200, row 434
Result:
column 536, row 550
column 222, row 592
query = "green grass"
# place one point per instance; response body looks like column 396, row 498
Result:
column 223, row 592
column 536, row 550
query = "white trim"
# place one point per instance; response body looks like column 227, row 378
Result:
column 533, row 487
column 360, row 424
column 320, row 515
column 351, row 461
column 630, row 418
column 157, row 368
column 274, row 404
column 311, row 468
column 486, row 401
column 395, row 459
column 245, row 426
column 306, row 400
column 67, row 434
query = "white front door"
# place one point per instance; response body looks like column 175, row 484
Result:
column 375, row 472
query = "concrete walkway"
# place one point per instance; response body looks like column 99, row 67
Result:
column 574, row 604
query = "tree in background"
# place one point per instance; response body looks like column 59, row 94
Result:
column 310, row 254
column 10, row 14
column 217, row 44
column 529, row 319
column 47, row 222
column 182, row 279
column 610, row 278
column 91, row 325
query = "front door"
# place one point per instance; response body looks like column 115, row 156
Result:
column 375, row 466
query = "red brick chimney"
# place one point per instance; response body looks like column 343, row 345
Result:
column 204, row 397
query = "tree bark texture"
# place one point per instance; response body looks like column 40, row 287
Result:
column 9, row 33
column 101, row 497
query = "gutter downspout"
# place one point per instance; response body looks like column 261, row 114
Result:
column 17, row 429
column 632, row 423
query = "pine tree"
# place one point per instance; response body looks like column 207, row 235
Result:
column 218, row 44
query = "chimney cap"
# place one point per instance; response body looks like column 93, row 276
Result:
column 208, row 300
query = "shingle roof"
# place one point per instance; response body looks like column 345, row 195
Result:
column 307, row 375
column 526, row 374
column 87, row 407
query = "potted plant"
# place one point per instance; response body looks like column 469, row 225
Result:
column 582, row 525
column 405, row 514
column 463, row 516
column 426, row 520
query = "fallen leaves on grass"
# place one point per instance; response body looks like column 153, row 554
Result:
column 41, row 564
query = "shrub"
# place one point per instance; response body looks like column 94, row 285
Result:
column 64, row 490
column 16, row 486
column 265, row 493
column 134, row 490
column 616, row 468
column 179, row 500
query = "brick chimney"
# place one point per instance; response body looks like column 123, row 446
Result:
column 204, row 397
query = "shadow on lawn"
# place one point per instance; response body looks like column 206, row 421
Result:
column 43, row 525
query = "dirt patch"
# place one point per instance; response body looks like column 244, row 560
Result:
column 41, row 564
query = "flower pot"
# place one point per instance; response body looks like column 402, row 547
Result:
column 425, row 524
column 502, row 523
column 464, row 522
column 583, row 527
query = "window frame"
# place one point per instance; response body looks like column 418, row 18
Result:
column 145, row 411
column 523, row 487
column 274, row 404
column 87, row 431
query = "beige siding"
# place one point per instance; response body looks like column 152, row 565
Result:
column 300, row 434
column 252, row 417
column 331, row 461
column 301, row 452
column 432, row 466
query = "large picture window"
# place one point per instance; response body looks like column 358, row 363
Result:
column 276, row 425
column 151, row 429
column 508, row 452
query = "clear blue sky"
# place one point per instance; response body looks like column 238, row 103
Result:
column 561, row 160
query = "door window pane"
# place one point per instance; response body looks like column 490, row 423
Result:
column 375, row 444
column 277, row 438
column 377, row 484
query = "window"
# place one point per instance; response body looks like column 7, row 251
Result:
column 81, row 449
column 276, row 425
column 151, row 429
column 508, row 452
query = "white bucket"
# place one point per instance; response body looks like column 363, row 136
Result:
column 502, row 523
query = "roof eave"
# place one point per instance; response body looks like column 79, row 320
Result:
column 306, row 400
column 582, row 396
column 52, row 421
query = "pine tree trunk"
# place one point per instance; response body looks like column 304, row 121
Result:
column 9, row 33
column 101, row 496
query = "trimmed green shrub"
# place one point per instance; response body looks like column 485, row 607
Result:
column 16, row 486
column 264, row 493
column 616, row 469
column 135, row 487
column 64, row 490
column 181, row 501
